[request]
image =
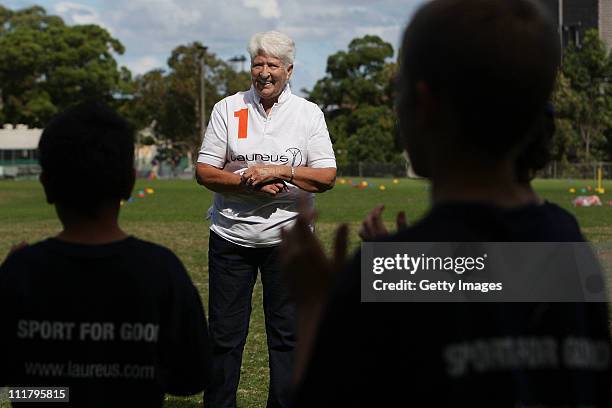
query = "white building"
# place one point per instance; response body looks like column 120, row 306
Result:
column 19, row 151
column 574, row 17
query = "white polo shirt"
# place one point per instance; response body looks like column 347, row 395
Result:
column 239, row 135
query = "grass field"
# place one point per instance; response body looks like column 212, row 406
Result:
column 174, row 216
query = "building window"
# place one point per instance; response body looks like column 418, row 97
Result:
column 572, row 34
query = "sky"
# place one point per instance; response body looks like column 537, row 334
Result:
column 150, row 29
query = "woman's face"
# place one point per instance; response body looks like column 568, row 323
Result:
column 269, row 76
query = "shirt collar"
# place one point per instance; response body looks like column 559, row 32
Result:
column 282, row 98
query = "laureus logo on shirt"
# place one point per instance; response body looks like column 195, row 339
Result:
column 293, row 157
column 296, row 156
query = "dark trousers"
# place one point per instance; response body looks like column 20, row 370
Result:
column 232, row 272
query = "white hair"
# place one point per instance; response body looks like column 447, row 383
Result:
column 274, row 44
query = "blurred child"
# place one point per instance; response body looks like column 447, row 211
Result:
column 475, row 75
column 114, row 318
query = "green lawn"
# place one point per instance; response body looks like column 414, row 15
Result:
column 174, row 216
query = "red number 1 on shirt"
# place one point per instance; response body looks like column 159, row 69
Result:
column 243, row 122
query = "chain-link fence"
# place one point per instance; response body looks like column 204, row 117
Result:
column 554, row 170
column 373, row 170
column 20, row 171
column 564, row 170
column 166, row 171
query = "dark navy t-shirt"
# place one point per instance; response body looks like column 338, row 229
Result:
column 462, row 354
column 120, row 324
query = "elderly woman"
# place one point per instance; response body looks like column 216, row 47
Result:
column 260, row 149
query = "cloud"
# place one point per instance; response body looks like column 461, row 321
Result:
column 160, row 25
column 151, row 29
column 75, row 13
column 144, row 64
column 266, row 8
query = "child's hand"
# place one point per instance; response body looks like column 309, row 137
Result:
column 308, row 270
column 372, row 226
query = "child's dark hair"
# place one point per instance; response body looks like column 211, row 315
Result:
column 87, row 157
column 537, row 153
column 492, row 61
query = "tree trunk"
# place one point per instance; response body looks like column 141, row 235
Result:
column 586, row 138
column 588, row 147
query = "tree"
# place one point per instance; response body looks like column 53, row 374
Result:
column 172, row 99
column 357, row 76
column 584, row 96
column 46, row 66
column 357, row 97
column 148, row 93
column 372, row 135
column 567, row 142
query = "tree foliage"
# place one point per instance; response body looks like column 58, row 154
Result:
column 172, row 98
column 356, row 95
column 46, row 66
column 583, row 99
